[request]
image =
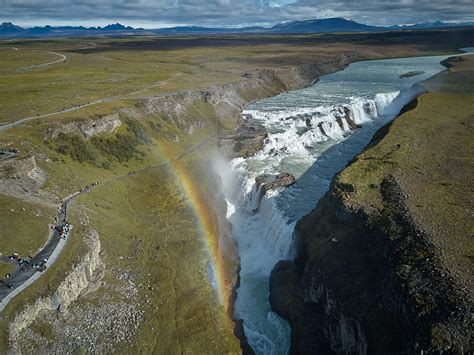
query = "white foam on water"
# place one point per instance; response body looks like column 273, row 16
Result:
column 312, row 133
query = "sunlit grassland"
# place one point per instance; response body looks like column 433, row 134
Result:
column 125, row 209
column 162, row 244
column 92, row 76
column 24, row 226
column 84, row 78
column 12, row 59
column 442, row 197
column 147, row 228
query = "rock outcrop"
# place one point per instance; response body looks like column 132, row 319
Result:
column 189, row 110
column 21, row 176
column 284, row 293
column 369, row 283
column 411, row 73
column 91, row 127
column 267, row 182
column 245, row 141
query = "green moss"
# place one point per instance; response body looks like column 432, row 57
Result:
column 120, row 147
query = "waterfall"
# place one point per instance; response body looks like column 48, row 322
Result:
column 262, row 228
column 313, row 140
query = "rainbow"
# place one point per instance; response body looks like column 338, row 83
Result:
column 207, row 226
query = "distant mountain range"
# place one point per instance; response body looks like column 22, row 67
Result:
column 428, row 25
column 8, row 29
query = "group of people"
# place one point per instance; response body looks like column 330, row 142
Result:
column 25, row 263
column 8, row 284
column 63, row 230
column 41, row 266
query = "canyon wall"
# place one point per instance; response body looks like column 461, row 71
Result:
column 383, row 261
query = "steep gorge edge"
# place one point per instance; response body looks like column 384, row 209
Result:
column 226, row 102
column 368, row 276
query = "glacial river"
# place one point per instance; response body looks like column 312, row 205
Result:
column 312, row 136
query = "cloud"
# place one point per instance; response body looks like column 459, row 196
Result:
column 231, row 12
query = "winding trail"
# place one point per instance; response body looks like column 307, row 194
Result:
column 129, row 96
column 21, row 279
column 18, row 122
column 62, row 58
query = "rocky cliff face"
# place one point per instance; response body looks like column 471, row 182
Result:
column 245, row 141
column 369, row 282
column 235, row 136
column 92, row 127
column 381, row 266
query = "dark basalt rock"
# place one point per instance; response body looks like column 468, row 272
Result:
column 284, row 297
column 286, row 301
column 267, row 182
column 369, row 109
column 350, row 118
column 411, row 73
column 321, row 129
column 239, row 332
column 367, row 282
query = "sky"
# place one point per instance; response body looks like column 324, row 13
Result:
column 228, row 13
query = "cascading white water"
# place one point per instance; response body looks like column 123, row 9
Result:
column 312, row 134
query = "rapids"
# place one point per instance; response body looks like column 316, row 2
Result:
column 312, row 133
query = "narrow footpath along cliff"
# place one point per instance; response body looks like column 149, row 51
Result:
column 384, row 261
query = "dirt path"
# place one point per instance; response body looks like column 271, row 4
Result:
column 17, row 122
column 62, row 58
